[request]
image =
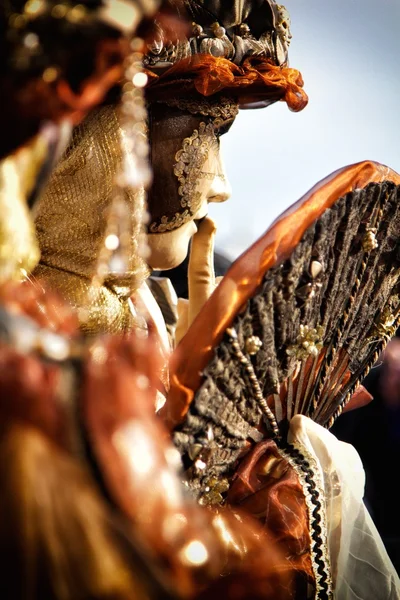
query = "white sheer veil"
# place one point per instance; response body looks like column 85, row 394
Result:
column 361, row 567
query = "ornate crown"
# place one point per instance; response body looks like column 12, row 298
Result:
column 234, row 33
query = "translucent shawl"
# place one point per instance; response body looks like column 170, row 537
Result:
column 361, row 568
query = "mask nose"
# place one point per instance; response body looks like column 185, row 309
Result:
column 221, row 195
column 220, row 189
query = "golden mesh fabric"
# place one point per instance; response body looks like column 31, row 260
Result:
column 71, row 221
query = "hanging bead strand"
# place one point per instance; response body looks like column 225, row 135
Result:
column 124, row 235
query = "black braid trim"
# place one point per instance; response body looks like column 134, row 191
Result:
column 317, row 551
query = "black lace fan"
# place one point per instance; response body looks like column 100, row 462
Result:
column 312, row 329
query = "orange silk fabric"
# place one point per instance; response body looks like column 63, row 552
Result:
column 131, row 449
column 246, row 274
column 267, row 488
column 256, row 79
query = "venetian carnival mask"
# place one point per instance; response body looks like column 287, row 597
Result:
column 188, row 173
column 185, row 155
column 234, row 55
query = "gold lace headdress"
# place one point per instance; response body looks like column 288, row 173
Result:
column 90, row 218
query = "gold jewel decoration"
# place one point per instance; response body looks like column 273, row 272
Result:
column 255, row 384
column 369, row 241
column 252, row 345
column 214, row 489
column 212, row 176
column 308, row 343
column 387, row 325
column 167, row 224
column 316, row 268
column 310, row 289
column 283, row 25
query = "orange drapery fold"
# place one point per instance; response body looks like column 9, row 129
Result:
column 257, row 78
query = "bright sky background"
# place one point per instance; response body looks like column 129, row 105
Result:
column 349, row 53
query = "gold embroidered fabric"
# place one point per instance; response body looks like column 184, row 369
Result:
column 71, row 221
column 19, row 252
column 188, row 169
column 223, row 108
